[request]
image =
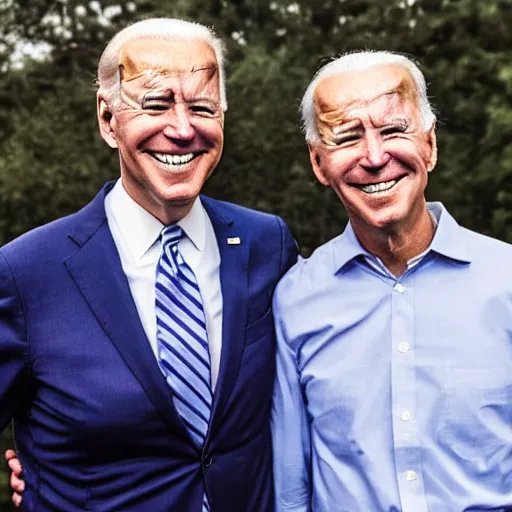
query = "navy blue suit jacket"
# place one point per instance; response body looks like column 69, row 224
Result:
column 95, row 424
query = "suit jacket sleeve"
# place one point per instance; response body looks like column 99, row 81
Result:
column 13, row 345
column 289, row 249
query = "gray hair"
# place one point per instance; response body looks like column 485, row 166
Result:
column 362, row 61
column 171, row 29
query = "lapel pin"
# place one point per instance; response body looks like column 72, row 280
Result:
column 235, row 240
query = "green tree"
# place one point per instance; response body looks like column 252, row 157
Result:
column 52, row 160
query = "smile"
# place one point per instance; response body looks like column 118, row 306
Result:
column 378, row 187
column 174, row 160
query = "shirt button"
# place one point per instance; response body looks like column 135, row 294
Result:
column 207, row 461
column 400, row 288
column 406, row 415
column 410, row 476
column 403, row 347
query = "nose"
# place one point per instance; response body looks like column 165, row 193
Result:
column 375, row 156
column 178, row 125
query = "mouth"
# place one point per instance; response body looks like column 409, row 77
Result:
column 374, row 188
column 174, row 160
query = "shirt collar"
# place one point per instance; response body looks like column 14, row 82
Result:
column 140, row 229
column 347, row 248
column 194, row 225
column 448, row 240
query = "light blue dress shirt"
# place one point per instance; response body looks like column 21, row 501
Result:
column 393, row 394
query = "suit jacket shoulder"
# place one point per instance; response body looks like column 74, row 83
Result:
column 268, row 233
column 59, row 237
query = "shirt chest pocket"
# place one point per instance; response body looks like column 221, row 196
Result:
column 475, row 426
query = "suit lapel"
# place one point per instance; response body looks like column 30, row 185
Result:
column 97, row 271
column 234, row 285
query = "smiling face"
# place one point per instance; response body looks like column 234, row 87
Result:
column 373, row 151
column 167, row 123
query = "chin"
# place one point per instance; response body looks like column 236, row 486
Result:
column 180, row 194
column 385, row 218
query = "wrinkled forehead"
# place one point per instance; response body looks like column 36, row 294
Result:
column 146, row 61
column 391, row 87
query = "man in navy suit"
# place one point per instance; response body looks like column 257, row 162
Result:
column 98, row 423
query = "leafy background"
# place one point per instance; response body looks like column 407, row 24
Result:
column 52, row 160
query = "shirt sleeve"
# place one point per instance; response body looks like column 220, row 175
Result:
column 13, row 346
column 290, row 429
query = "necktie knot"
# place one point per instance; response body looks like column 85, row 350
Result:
column 171, row 235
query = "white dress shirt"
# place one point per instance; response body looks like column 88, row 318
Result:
column 136, row 231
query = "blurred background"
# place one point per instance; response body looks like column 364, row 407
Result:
column 52, row 160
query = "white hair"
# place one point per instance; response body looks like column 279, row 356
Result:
column 362, row 61
column 170, row 29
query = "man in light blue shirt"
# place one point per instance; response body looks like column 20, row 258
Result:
column 394, row 363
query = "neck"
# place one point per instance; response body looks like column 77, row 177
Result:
column 167, row 212
column 395, row 245
column 173, row 214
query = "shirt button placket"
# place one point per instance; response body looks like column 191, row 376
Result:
column 403, row 396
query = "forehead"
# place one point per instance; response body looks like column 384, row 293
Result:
column 359, row 88
column 142, row 56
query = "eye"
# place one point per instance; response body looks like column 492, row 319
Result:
column 155, row 104
column 392, row 130
column 346, row 139
column 156, row 107
column 202, row 109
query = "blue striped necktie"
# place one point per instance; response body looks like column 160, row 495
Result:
column 182, row 338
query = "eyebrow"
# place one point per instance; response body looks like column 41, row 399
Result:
column 211, row 67
column 150, row 96
column 169, row 96
column 393, row 90
column 201, row 98
column 402, row 121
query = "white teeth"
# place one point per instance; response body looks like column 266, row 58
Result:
column 168, row 159
column 379, row 187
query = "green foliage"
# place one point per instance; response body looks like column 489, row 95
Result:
column 266, row 164
column 52, row 161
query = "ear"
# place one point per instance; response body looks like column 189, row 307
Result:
column 316, row 163
column 105, row 121
column 432, row 140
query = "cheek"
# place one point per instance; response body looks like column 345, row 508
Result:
column 342, row 163
column 138, row 130
column 414, row 152
column 211, row 131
